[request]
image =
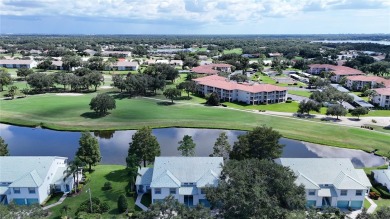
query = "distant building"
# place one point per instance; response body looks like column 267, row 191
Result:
column 176, row 62
column 57, row 65
column 16, row 63
column 339, row 71
column 382, row 177
column 29, row 180
column 116, row 53
column 162, row 61
column 212, row 69
column 125, row 66
column 329, row 181
column 382, row 97
column 241, row 92
column 359, row 82
column 182, row 177
column 90, row 52
column 275, row 54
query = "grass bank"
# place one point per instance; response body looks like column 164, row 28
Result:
column 116, row 174
column 72, row 113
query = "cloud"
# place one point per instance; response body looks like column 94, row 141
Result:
column 177, row 12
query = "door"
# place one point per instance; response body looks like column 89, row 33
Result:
column 356, row 204
column 189, row 200
column 343, row 204
column 31, row 201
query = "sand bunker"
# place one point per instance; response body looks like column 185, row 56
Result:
column 69, row 94
column 105, row 87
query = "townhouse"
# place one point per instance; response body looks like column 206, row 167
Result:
column 212, row 69
column 338, row 71
column 382, row 97
column 16, row 63
column 359, row 82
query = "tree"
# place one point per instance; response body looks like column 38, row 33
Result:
column 262, row 143
column 144, row 146
column 12, row 91
column 222, row 146
column 307, row 106
column 72, row 170
column 187, row 146
column 5, row 78
column 188, row 87
column 171, row 208
column 3, row 148
column 358, row 111
column 63, row 79
column 132, row 166
column 172, row 93
column 383, row 213
column 24, row 72
column 102, row 103
column 69, row 62
column 213, row 99
column 253, row 187
column 40, row 81
column 118, row 82
column 46, row 64
column 95, row 79
column 122, row 203
column 239, row 78
column 89, row 150
column 336, row 110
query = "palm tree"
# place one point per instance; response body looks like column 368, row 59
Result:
column 73, row 169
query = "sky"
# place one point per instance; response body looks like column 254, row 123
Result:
column 194, row 16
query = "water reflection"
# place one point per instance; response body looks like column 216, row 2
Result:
column 114, row 145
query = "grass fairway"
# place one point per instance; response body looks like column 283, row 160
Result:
column 301, row 93
column 72, row 113
column 116, row 174
column 235, row 50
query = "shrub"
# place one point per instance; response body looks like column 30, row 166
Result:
column 97, row 206
column 122, row 203
column 373, row 121
column 374, row 195
column 107, row 186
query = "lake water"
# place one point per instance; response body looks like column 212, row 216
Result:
column 24, row 141
column 352, row 41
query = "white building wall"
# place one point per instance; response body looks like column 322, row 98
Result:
column 382, row 178
column 164, row 193
column 382, row 100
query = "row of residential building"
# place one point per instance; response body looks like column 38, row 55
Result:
column 249, row 93
column 327, row 181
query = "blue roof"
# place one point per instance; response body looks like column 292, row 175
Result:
column 172, row 172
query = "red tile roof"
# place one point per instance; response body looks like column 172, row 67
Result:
column 383, row 91
column 224, row 83
column 210, row 69
column 338, row 70
column 377, row 79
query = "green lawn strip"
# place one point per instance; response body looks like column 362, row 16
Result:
column 235, row 50
column 300, row 93
column 358, row 93
column 382, row 203
column 116, row 174
column 367, row 204
column 277, row 107
column 54, row 198
column 73, row 113
column 379, row 113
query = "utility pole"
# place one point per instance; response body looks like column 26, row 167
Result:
column 90, row 198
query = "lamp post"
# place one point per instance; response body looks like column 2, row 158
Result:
column 90, row 199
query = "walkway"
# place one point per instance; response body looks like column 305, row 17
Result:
column 57, row 203
column 373, row 206
column 138, row 202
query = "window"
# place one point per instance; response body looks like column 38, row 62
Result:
column 172, row 191
column 312, row 192
column 157, row 191
column 202, row 191
column 343, row 192
column 359, row 192
column 16, row 190
column 31, row 190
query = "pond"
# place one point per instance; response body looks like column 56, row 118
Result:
column 25, row 141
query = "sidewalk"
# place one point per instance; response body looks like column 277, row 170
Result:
column 138, row 202
column 57, row 203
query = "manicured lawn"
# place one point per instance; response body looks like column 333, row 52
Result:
column 235, row 50
column 379, row 113
column 73, row 113
column 360, row 93
column 267, row 80
column 278, row 107
column 118, row 177
column 300, row 93
column 54, row 198
column 382, row 203
column 201, row 49
column 366, row 204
